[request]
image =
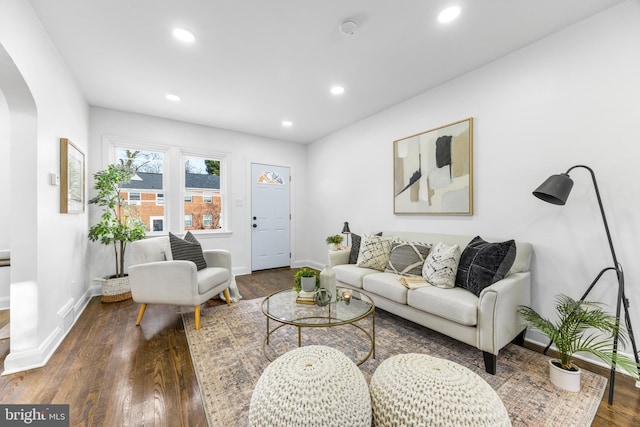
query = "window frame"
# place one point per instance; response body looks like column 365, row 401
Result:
column 224, row 159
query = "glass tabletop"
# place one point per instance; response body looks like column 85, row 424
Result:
column 282, row 307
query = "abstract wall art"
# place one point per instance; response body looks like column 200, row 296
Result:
column 433, row 171
column 72, row 193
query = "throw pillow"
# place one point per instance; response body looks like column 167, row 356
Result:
column 407, row 258
column 483, row 263
column 441, row 265
column 374, row 252
column 355, row 248
column 187, row 249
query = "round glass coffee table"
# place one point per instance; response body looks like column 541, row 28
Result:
column 282, row 307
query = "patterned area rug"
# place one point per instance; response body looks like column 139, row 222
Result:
column 228, row 357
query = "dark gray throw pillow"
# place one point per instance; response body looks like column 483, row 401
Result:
column 187, row 249
column 483, row 263
column 355, row 248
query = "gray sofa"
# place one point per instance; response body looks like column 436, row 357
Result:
column 488, row 321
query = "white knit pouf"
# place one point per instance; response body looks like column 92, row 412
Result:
column 311, row 386
column 420, row 390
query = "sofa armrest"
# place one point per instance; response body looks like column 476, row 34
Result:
column 498, row 319
column 218, row 258
column 162, row 281
column 338, row 258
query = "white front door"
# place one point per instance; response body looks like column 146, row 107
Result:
column 270, row 217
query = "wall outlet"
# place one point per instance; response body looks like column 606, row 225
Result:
column 54, row 179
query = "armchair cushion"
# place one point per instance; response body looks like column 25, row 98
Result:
column 210, row 277
column 187, row 249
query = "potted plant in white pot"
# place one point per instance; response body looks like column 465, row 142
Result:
column 117, row 226
column 335, row 241
column 582, row 326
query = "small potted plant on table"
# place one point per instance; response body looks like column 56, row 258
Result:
column 579, row 328
column 335, row 241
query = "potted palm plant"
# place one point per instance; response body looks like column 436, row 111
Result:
column 582, row 326
column 117, row 226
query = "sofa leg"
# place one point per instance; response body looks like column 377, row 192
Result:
column 226, row 296
column 490, row 362
column 519, row 339
column 143, row 307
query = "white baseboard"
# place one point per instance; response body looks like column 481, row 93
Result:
column 67, row 316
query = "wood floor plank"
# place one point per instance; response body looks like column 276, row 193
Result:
column 113, row 373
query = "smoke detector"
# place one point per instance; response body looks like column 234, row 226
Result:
column 348, row 27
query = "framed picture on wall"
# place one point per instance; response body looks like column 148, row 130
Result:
column 433, row 171
column 72, row 193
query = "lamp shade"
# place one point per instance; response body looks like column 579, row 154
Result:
column 345, row 228
column 555, row 189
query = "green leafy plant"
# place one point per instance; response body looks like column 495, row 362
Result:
column 336, row 239
column 118, row 226
column 580, row 328
column 304, row 272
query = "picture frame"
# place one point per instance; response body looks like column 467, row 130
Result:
column 72, row 178
column 433, row 171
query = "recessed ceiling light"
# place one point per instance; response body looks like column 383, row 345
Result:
column 287, row 123
column 337, row 90
column 171, row 97
column 184, row 35
column 449, row 14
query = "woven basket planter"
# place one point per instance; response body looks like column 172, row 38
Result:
column 115, row 289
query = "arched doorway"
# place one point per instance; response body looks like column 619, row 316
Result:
column 19, row 141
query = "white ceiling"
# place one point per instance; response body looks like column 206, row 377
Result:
column 256, row 63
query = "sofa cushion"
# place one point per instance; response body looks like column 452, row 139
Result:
column 407, row 258
column 483, row 263
column 187, row 249
column 351, row 274
column 355, row 248
column 374, row 252
column 386, row 285
column 456, row 304
column 210, row 277
column 441, row 265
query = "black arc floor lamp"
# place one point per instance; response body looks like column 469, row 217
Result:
column 556, row 190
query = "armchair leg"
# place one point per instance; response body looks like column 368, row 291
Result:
column 226, row 296
column 197, row 314
column 490, row 362
column 143, row 307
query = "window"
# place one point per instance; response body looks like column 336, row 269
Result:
column 134, row 198
column 145, row 190
column 157, row 223
column 203, row 186
column 198, row 202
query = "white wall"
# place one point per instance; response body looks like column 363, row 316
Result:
column 48, row 271
column 5, row 195
column 242, row 150
column 569, row 99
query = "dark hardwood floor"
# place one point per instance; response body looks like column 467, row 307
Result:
column 113, row 373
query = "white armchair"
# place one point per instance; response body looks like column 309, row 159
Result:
column 155, row 280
